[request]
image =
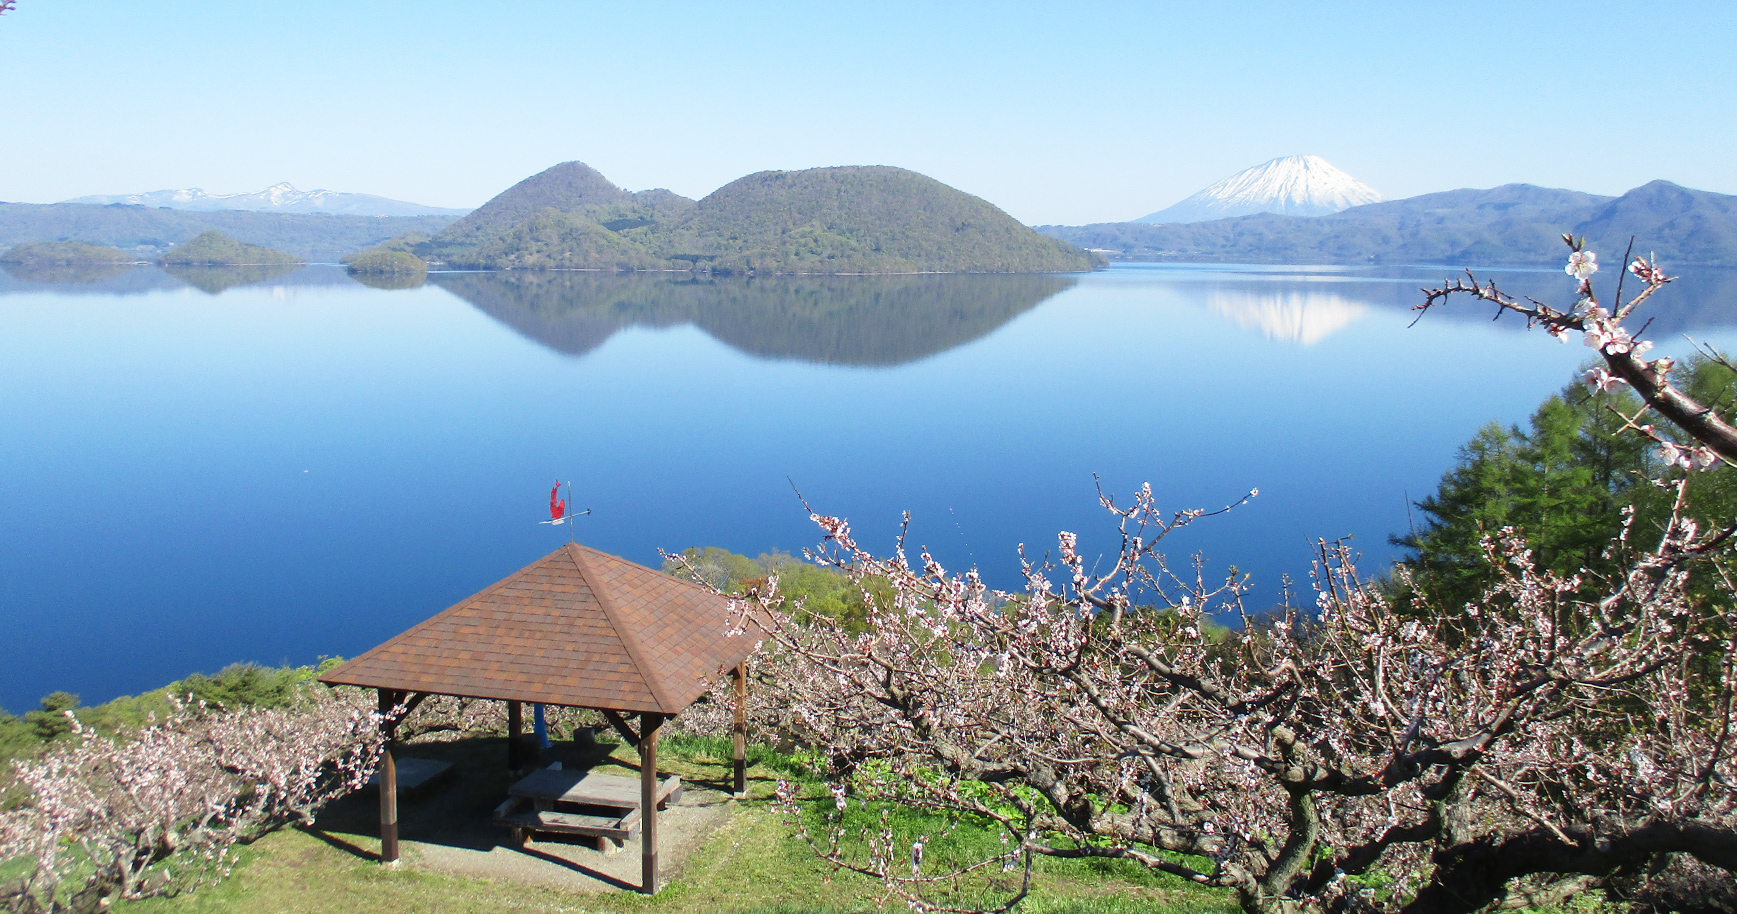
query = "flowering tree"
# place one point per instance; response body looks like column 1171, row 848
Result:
column 1558, row 733
column 158, row 811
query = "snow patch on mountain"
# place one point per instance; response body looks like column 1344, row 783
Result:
column 1292, row 185
column 278, row 198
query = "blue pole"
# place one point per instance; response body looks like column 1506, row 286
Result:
column 541, row 728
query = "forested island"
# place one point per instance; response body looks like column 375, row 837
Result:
column 215, row 249
column 65, row 253
column 870, row 219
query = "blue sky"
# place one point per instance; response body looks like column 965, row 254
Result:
column 1056, row 112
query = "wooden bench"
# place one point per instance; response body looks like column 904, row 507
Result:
column 611, row 829
column 601, row 806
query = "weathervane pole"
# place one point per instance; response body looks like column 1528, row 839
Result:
column 558, row 508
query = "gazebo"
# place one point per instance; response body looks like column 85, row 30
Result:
column 577, row 628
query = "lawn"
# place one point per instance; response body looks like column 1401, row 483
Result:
column 751, row 863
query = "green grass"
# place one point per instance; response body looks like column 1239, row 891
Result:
column 750, row 864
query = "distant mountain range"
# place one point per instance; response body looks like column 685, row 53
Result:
column 1511, row 224
column 1292, row 186
column 148, row 233
column 854, row 219
column 278, row 198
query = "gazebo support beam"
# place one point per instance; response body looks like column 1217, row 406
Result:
column 387, row 778
column 515, row 726
column 739, row 731
column 621, row 727
column 649, row 725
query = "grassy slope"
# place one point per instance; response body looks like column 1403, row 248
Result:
column 750, row 864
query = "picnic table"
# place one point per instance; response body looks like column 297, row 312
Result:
column 583, row 802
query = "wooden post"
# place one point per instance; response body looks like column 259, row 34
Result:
column 387, row 779
column 515, row 723
column 648, row 727
column 740, row 730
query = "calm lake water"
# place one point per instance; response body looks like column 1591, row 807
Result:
column 210, row 467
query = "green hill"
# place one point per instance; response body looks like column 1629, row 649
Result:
column 215, row 249
column 872, row 219
column 65, row 253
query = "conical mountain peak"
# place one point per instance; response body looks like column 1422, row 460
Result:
column 1292, row 185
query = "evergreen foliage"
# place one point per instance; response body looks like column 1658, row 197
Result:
column 215, row 249
column 65, row 253
column 1564, row 482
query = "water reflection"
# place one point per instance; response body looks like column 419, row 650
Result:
column 1306, row 305
column 215, row 280
column 70, row 273
column 390, row 281
column 838, row 320
column 1306, row 317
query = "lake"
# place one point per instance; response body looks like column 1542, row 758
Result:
column 216, row 466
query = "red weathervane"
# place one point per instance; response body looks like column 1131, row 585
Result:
column 558, row 508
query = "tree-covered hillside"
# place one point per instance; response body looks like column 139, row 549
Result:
column 215, row 249
column 822, row 220
column 1512, row 224
column 863, row 220
column 563, row 188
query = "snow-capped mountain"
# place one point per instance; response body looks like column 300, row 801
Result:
column 278, row 198
column 1293, row 185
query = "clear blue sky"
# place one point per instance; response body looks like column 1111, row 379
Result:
column 1056, row 112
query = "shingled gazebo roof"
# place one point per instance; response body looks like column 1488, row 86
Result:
column 577, row 627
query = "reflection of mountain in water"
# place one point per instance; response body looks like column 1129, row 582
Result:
column 1293, row 305
column 390, row 281
column 66, row 272
column 840, row 320
column 215, row 280
column 1305, row 317
column 141, row 280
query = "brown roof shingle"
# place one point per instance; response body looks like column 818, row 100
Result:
column 577, row 627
